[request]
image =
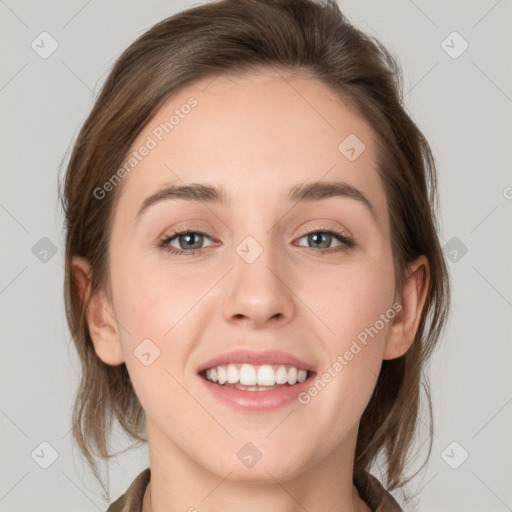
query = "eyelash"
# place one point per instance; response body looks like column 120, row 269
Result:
column 346, row 243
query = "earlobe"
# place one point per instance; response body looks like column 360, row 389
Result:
column 405, row 325
column 99, row 315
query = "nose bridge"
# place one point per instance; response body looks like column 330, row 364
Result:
column 259, row 289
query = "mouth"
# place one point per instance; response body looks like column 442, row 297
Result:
column 249, row 377
column 256, row 381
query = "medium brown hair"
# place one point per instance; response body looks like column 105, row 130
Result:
column 310, row 39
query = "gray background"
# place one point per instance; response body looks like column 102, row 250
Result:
column 463, row 106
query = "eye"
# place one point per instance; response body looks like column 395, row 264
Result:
column 324, row 238
column 188, row 242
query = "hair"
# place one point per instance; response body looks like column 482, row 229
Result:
column 312, row 39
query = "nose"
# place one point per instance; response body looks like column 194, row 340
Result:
column 259, row 292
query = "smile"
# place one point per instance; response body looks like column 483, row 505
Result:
column 255, row 377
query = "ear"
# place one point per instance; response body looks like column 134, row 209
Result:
column 405, row 324
column 99, row 314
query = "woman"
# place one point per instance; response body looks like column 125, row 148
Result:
column 266, row 370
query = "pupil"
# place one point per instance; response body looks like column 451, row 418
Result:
column 189, row 238
column 313, row 237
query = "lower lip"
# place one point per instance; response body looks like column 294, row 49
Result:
column 257, row 400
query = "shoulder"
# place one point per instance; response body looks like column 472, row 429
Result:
column 131, row 500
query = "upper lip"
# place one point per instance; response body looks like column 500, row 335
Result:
column 256, row 357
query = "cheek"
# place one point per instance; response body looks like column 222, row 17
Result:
column 351, row 299
column 157, row 313
column 358, row 309
column 358, row 312
column 154, row 300
column 159, row 308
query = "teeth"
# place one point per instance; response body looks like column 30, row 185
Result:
column 232, row 374
column 266, row 376
column 292, row 376
column 254, row 375
column 281, row 375
column 221, row 374
column 247, row 375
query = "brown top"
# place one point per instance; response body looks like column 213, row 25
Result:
column 372, row 494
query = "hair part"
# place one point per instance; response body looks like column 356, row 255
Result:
column 311, row 39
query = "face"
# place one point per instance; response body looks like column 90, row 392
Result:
column 259, row 271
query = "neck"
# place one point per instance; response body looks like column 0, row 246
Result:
column 180, row 483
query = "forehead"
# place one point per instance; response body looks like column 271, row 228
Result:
column 256, row 135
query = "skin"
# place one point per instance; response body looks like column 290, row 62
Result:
column 256, row 135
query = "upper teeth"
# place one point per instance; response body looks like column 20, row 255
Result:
column 252, row 375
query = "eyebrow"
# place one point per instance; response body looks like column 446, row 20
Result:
column 301, row 192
